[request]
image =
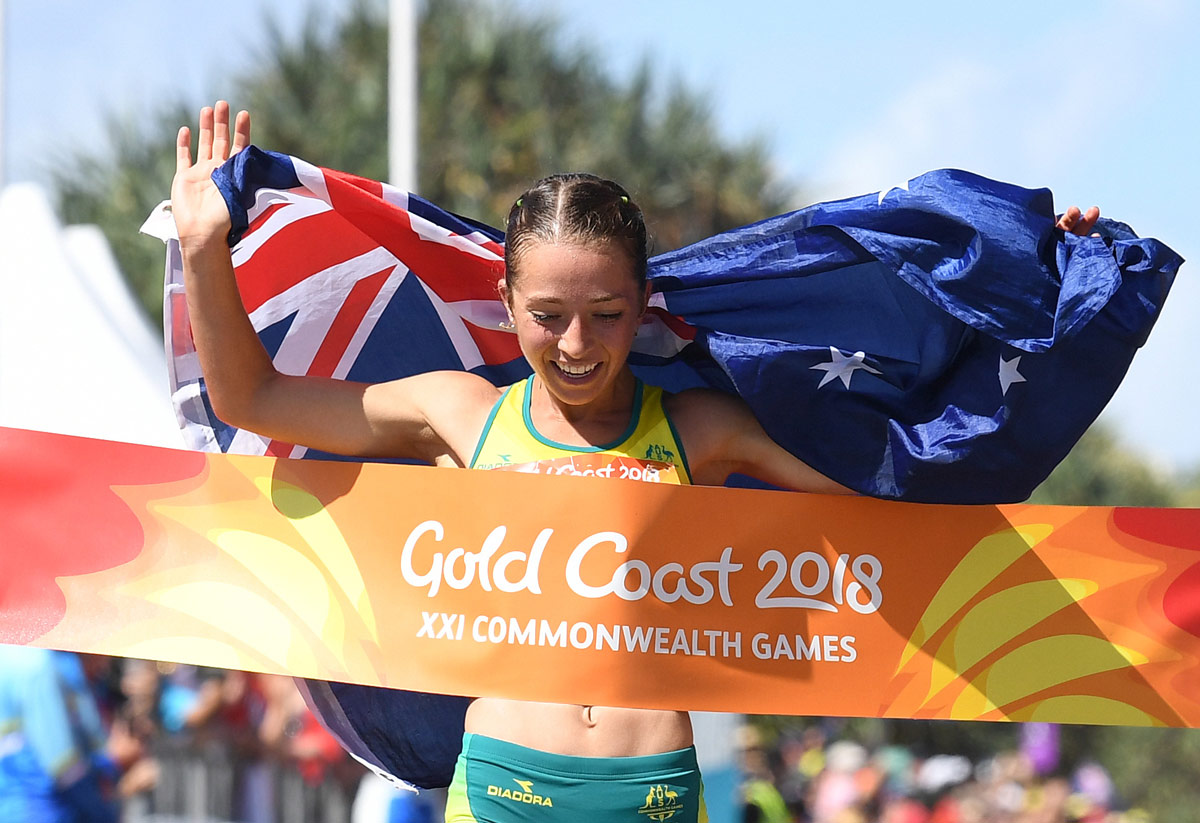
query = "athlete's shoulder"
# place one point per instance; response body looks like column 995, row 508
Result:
column 462, row 397
column 706, row 404
column 713, row 427
column 455, row 389
column 435, row 416
column 463, row 381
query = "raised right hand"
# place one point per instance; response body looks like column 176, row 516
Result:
column 201, row 217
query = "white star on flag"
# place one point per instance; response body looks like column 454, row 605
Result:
column 842, row 365
column 885, row 192
column 1009, row 373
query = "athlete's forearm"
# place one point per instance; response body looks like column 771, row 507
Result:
column 235, row 365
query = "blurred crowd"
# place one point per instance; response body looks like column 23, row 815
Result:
column 811, row 776
column 146, row 742
column 91, row 739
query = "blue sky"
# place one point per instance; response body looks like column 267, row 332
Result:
column 1099, row 102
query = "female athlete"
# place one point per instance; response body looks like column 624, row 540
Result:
column 575, row 288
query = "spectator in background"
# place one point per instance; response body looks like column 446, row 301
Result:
column 802, row 758
column 847, row 782
column 761, row 801
column 317, row 783
column 53, row 768
column 290, row 730
column 838, row 791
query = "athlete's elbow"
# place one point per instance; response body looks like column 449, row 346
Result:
column 240, row 404
column 231, row 409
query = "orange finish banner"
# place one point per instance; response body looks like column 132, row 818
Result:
column 585, row 590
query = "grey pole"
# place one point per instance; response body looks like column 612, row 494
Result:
column 402, row 94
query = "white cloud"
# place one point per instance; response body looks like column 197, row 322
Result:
column 1021, row 115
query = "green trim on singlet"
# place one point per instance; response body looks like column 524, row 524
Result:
column 650, row 442
column 634, row 419
column 487, row 427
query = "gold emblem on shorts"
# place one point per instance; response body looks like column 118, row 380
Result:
column 661, row 803
column 525, row 794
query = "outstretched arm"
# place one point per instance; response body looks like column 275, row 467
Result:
column 429, row 417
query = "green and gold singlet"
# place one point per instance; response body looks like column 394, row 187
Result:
column 500, row 782
column 649, row 450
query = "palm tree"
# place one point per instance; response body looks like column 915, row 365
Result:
column 502, row 103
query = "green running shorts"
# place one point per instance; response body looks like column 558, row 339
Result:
column 500, row 782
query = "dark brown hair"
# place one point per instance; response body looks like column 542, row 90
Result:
column 575, row 208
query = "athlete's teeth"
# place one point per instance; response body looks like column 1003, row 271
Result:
column 582, row 370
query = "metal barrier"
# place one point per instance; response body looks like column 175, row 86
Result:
column 209, row 782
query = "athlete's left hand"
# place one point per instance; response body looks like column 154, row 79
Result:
column 1078, row 222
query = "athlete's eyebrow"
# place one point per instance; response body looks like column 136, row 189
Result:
column 555, row 300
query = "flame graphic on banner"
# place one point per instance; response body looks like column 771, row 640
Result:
column 277, row 593
column 984, row 649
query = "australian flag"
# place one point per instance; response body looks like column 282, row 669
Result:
column 939, row 341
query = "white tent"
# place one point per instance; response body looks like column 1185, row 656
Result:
column 77, row 356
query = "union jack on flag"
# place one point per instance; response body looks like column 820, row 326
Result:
column 350, row 278
column 939, row 341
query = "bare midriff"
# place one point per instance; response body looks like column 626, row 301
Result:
column 580, row 731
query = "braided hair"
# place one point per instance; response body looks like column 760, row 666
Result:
column 575, row 208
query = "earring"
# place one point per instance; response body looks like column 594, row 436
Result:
column 507, row 325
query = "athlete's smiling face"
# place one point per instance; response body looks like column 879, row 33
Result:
column 576, row 310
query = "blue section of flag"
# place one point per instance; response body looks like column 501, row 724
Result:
column 937, row 285
column 410, row 736
column 272, row 336
column 454, row 222
column 266, row 171
column 415, row 341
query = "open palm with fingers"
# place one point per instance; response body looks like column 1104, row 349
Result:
column 198, row 207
